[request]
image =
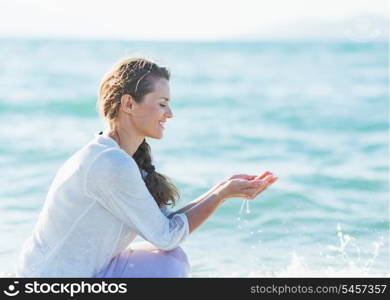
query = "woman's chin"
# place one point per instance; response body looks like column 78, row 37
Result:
column 157, row 136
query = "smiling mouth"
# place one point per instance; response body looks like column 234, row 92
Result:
column 161, row 124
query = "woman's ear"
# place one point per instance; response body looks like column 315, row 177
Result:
column 127, row 103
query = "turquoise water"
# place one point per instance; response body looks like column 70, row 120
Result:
column 315, row 114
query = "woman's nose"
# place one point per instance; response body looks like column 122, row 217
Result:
column 169, row 113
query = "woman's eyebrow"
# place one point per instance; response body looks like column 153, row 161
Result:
column 167, row 99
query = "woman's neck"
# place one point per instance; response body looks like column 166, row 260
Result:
column 127, row 142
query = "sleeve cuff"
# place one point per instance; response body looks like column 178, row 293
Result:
column 183, row 216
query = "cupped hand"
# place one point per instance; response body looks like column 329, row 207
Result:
column 268, row 179
column 246, row 186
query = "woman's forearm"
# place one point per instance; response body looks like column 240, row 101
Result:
column 199, row 212
column 197, row 200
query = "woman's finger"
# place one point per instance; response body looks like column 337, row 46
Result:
column 265, row 174
column 268, row 182
column 255, row 184
column 260, row 185
column 243, row 176
column 257, row 187
column 250, row 177
column 253, row 191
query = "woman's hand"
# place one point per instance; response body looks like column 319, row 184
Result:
column 245, row 186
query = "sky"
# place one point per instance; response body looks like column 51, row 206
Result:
column 188, row 20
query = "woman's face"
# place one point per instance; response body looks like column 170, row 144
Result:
column 150, row 115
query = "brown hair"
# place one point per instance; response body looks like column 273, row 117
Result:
column 136, row 76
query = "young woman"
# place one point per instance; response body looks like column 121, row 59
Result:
column 109, row 192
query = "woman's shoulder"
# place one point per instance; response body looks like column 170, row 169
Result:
column 114, row 157
column 113, row 167
column 111, row 159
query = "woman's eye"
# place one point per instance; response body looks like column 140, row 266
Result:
column 162, row 105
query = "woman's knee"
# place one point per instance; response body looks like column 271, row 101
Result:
column 179, row 254
column 175, row 260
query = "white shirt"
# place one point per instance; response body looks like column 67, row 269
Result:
column 95, row 207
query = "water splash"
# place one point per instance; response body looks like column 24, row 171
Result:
column 346, row 258
column 347, row 255
column 355, row 263
column 242, row 224
column 296, row 267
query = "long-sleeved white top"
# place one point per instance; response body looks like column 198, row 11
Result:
column 96, row 206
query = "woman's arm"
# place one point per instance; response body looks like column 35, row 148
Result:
column 199, row 212
column 197, row 200
column 239, row 186
column 213, row 189
column 236, row 186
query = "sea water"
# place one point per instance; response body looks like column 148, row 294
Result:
column 313, row 113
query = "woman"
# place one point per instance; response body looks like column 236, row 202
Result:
column 109, row 192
